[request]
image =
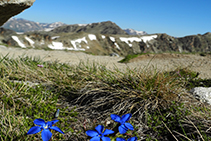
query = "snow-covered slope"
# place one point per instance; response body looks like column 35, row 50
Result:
column 86, row 42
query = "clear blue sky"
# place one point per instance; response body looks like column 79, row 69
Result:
column 174, row 17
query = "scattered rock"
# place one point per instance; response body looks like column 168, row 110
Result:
column 114, row 55
column 201, row 93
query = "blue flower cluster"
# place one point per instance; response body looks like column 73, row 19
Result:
column 124, row 126
column 97, row 135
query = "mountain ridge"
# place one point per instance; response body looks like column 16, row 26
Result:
column 105, row 38
column 106, row 27
column 23, row 25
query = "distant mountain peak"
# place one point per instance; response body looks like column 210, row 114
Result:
column 134, row 32
column 23, row 25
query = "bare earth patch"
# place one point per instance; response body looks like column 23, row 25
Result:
column 161, row 62
column 168, row 61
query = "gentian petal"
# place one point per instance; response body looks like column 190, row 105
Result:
column 92, row 133
column 106, row 139
column 120, row 139
column 129, row 126
column 95, row 139
column 56, row 129
column 126, row 117
column 132, row 139
column 122, row 129
column 115, row 118
column 50, row 123
column 99, row 129
column 107, row 131
column 39, row 121
column 46, row 135
column 34, row 130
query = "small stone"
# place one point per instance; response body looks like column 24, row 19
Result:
column 201, row 93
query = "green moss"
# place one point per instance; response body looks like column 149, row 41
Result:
column 129, row 57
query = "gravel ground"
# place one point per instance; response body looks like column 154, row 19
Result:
column 166, row 61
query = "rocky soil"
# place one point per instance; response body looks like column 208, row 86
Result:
column 161, row 62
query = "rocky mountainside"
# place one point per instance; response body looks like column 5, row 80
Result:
column 22, row 25
column 104, row 38
column 101, row 44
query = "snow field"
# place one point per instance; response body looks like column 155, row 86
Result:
column 18, row 41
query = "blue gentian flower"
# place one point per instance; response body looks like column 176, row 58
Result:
column 97, row 135
column 122, row 120
column 130, row 139
column 45, row 126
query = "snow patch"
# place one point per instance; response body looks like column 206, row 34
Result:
column 56, row 45
column 18, row 41
column 55, row 37
column 82, row 24
column 59, row 46
column 117, row 46
column 48, row 29
column 148, row 38
column 92, row 37
column 28, row 24
column 19, row 33
column 112, row 39
column 103, row 36
column 77, row 42
column 137, row 39
column 30, row 41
